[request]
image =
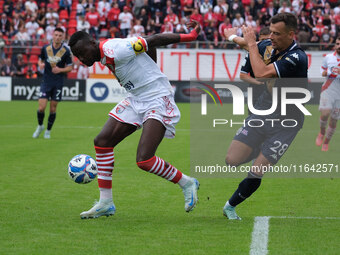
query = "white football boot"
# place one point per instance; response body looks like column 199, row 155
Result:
column 47, row 134
column 190, row 194
column 38, row 131
column 230, row 213
column 104, row 208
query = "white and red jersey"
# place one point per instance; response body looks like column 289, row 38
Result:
column 331, row 64
column 134, row 69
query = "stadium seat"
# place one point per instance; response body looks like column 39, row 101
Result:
column 72, row 23
column 71, row 31
column 35, row 50
column 63, row 15
column 33, row 59
column 73, row 15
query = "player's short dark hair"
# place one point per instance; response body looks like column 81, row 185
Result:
column 265, row 31
column 289, row 19
column 77, row 36
column 59, row 29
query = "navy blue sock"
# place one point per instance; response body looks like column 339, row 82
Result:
column 51, row 120
column 40, row 116
column 247, row 187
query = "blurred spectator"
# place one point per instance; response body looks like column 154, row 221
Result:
column 158, row 21
column 271, row 10
column 187, row 7
column 139, row 29
column 172, row 18
column 143, row 17
column 30, row 71
column 284, row 8
column 20, row 66
column 8, row 69
column 49, row 30
column 5, row 25
column 52, row 17
column 17, row 22
column 326, row 21
column 22, row 35
column 148, row 11
column 19, row 8
column 303, row 33
column 320, row 28
column 238, row 22
column 93, row 18
column 197, row 16
column 112, row 16
column 168, row 7
column 83, row 25
column 8, row 8
column 103, row 9
column 326, row 40
column 204, row 8
column 52, row 5
column 138, row 4
column 18, row 47
column 235, row 7
column 226, row 24
column 222, row 5
column 80, row 8
column 32, row 27
column 314, row 38
column 209, row 17
column 210, row 31
column 132, row 33
column 65, row 5
column 251, row 23
column 31, row 6
column 41, row 17
column 181, row 28
column 125, row 19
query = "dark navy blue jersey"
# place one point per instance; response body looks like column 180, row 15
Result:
column 55, row 57
column 290, row 64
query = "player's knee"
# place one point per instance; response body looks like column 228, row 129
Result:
column 231, row 161
column 100, row 141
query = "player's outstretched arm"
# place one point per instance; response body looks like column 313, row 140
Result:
column 170, row 38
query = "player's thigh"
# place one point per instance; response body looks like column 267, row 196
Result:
column 152, row 135
column 238, row 153
column 276, row 145
column 113, row 133
column 56, row 93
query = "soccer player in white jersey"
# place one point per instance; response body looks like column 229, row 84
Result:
column 150, row 104
column 330, row 97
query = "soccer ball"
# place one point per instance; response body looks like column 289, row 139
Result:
column 82, row 169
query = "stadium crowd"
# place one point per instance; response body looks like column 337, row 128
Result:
column 25, row 26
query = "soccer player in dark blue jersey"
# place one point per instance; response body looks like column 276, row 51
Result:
column 278, row 57
column 56, row 60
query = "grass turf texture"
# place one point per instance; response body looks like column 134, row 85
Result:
column 40, row 205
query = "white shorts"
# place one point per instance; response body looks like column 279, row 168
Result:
column 330, row 101
column 163, row 109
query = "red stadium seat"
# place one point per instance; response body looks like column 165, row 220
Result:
column 35, row 50
column 71, row 31
column 33, row 59
column 63, row 15
column 73, row 15
column 72, row 23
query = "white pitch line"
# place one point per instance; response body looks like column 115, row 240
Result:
column 259, row 239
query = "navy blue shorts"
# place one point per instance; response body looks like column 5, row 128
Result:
column 51, row 92
column 273, row 142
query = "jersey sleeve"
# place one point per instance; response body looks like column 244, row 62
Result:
column 287, row 66
column 246, row 66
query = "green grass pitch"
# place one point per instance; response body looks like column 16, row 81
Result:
column 40, row 205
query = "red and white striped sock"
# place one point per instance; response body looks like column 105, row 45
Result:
column 105, row 161
column 329, row 133
column 323, row 125
column 163, row 169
